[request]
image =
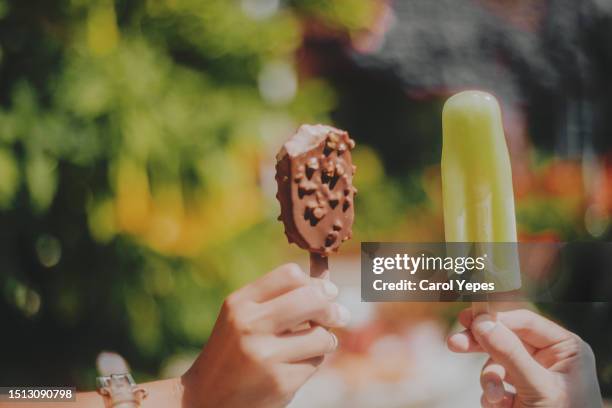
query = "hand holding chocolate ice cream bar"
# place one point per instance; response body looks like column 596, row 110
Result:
column 314, row 172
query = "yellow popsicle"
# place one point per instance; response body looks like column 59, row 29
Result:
column 477, row 183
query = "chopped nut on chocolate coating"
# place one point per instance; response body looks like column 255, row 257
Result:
column 330, row 169
column 313, row 163
column 331, row 238
column 311, row 167
column 306, row 188
column 319, row 213
column 346, row 204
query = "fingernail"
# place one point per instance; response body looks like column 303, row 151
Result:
column 335, row 342
column 344, row 316
column 494, row 391
column 329, row 289
column 459, row 341
column 483, row 324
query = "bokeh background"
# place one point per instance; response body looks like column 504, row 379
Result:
column 137, row 144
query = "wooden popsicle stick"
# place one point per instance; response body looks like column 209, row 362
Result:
column 479, row 308
column 319, row 267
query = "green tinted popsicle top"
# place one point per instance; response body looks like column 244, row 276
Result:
column 476, row 172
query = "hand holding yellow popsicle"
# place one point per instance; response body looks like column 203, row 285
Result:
column 477, row 183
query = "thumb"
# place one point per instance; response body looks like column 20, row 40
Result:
column 506, row 348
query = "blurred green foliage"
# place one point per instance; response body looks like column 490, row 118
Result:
column 132, row 136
